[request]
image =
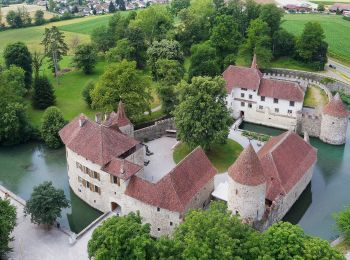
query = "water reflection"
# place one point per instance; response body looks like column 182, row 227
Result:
column 329, row 190
column 24, row 166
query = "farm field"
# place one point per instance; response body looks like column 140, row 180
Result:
column 335, row 27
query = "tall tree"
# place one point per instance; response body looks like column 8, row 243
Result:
column 154, row 21
column 120, row 5
column 311, row 47
column 225, row 37
column 272, row 15
column 55, row 47
column 202, row 117
column 39, row 17
column 85, row 58
column 111, row 7
column 122, row 81
column 38, row 59
column 43, row 95
column 123, row 50
column 164, row 49
column 259, row 42
column 7, row 224
column 283, row 43
column 121, row 238
column 45, row 204
column 102, row 38
column 204, row 61
column 52, row 122
column 177, row 5
column 136, row 38
column 19, row 55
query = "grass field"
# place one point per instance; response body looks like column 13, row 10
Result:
column 336, row 30
column 315, row 97
column 87, row 26
column 221, row 156
column 290, row 63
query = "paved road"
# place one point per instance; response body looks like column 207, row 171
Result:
column 342, row 72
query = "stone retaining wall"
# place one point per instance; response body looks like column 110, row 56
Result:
column 155, row 131
column 310, row 76
column 310, row 123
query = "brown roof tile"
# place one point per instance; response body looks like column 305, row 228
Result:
column 247, row 169
column 336, row 107
column 95, row 142
column 118, row 119
column 176, row 189
column 241, row 77
column 281, row 89
column 285, row 159
column 122, row 169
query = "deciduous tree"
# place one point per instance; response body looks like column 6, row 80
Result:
column 123, row 50
column 177, row 5
column 272, row 15
column 202, row 117
column 39, row 17
column 7, row 224
column 52, row 122
column 283, row 43
column 85, row 58
column 122, row 81
column 45, row 204
column 121, row 238
column 19, row 55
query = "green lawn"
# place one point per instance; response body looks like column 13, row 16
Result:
column 87, row 26
column 336, row 30
column 315, row 97
column 221, row 156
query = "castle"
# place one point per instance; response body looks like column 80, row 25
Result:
column 279, row 103
column 109, row 170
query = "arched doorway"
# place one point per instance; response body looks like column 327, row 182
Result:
column 114, row 206
column 241, row 114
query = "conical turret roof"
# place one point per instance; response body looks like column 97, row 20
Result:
column 254, row 63
column 247, row 169
column 336, row 107
column 121, row 117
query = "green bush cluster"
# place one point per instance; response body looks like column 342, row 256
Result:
column 256, row 136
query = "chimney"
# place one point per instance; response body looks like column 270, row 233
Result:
column 122, row 170
column 98, row 118
column 306, row 137
column 81, row 120
column 107, row 116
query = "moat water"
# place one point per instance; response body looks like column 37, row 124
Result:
column 329, row 190
column 24, row 166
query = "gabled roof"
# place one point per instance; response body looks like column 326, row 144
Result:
column 176, row 190
column 281, row 89
column 121, row 168
column 336, row 107
column 247, row 169
column 285, row 159
column 118, row 119
column 95, row 142
column 241, row 77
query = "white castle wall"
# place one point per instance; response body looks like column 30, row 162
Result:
column 333, row 129
column 247, row 201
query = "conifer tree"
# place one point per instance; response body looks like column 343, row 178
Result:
column 43, row 95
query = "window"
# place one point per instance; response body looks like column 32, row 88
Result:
column 87, row 184
column 242, row 104
column 291, row 103
column 158, row 229
column 289, row 111
column 79, row 179
column 158, row 209
column 96, row 175
column 250, row 96
column 236, row 191
column 275, row 100
column 261, row 107
column 262, row 98
column 171, row 223
column 244, row 89
column 97, row 189
column 250, row 105
column 115, row 180
column 277, row 110
column 242, row 95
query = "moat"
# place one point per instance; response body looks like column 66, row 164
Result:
column 24, row 166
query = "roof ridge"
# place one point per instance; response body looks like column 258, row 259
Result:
column 278, row 175
column 177, row 195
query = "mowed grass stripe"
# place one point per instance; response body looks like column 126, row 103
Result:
column 86, row 27
column 335, row 27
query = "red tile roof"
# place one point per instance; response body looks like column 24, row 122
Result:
column 95, row 142
column 176, row 190
column 118, row 119
column 247, row 169
column 336, row 107
column 281, row 89
column 285, row 159
column 122, row 169
column 241, row 77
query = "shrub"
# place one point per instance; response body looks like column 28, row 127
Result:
column 87, row 92
column 342, row 220
column 7, row 224
column 43, row 95
column 52, row 122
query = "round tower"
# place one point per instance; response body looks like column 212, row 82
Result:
column 247, row 186
column 334, row 122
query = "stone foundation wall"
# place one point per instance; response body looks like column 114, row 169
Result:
column 310, row 123
column 155, row 131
